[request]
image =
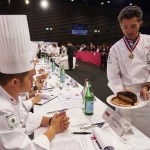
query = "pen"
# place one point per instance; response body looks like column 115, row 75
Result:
column 81, row 133
column 48, row 88
column 98, row 144
column 56, row 111
column 100, row 124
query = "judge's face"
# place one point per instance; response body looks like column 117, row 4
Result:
column 27, row 83
column 130, row 27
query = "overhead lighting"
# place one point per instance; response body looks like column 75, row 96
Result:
column 9, row 2
column 27, row 2
column 44, row 4
column 108, row 2
column 95, row 31
column 130, row 4
column 102, row 3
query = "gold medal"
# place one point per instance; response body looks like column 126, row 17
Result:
column 131, row 56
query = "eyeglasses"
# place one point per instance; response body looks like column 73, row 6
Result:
column 132, row 27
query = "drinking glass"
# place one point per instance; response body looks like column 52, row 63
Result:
column 126, row 127
column 67, row 82
column 61, row 86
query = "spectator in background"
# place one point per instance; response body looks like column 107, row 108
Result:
column 56, row 50
column 53, row 50
column 63, row 50
column 92, row 47
column 39, row 51
column 83, row 47
column 49, row 51
column 104, row 55
column 71, row 49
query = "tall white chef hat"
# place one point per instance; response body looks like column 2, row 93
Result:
column 15, row 45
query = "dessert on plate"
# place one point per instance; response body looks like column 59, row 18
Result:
column 125, row 99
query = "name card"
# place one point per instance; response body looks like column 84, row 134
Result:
column 112, row 117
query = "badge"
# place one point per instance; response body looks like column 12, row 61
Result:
column 148, row 58
column 131, row 56
column 12, row 121
column 109, row 59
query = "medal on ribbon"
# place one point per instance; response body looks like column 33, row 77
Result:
column 131, row 56
column 131, row 48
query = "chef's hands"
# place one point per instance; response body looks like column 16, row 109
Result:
column 36, row 99
column 144, row 93
column 60, row 122
column 41, row 77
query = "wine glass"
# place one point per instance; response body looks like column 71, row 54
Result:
column 66, row 84
column 126, row 125
column 61, row 86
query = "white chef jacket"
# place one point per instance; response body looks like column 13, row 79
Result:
column 27, row 104
column 125, row 73
column 16, row 124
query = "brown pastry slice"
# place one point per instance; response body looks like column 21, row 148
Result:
column 125, row 99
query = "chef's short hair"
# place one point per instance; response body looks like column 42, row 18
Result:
column 5, row 78
column 130, row 12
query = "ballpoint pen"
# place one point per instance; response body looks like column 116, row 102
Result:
column 99, row 146
column 56, row 111
column 100, row 124
column 48, row 88
column 83, row 133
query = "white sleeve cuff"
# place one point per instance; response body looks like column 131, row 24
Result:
column 27, row 105
column 33, row 122
column 43, row 142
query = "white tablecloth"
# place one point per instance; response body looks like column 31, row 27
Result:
column 77, row 118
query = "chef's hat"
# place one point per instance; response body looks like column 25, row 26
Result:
column 16, row 55
column 34, row 47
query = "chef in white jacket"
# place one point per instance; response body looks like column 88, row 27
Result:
column 16, row 76
column 128, row 65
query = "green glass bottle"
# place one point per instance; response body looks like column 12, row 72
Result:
column 53, row 65
column 45, row 57
column 39, row 54
column 62, row 74
column 89, row 101
column 84, row 91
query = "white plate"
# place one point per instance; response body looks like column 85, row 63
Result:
column 140, row 104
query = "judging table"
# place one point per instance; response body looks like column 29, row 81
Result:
column 92, row 57
column 68, row 96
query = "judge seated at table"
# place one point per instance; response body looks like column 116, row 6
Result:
column 16, row 76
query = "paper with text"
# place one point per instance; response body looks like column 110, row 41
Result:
column 80, row 142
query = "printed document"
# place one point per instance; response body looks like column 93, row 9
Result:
column 74, row 142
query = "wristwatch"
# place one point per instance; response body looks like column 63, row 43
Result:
column 49, row 123
column 35, row 87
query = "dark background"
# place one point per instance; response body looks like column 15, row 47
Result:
column 61, row 14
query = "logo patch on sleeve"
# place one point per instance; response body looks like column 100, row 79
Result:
column 109, row 59
column 12, row 121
